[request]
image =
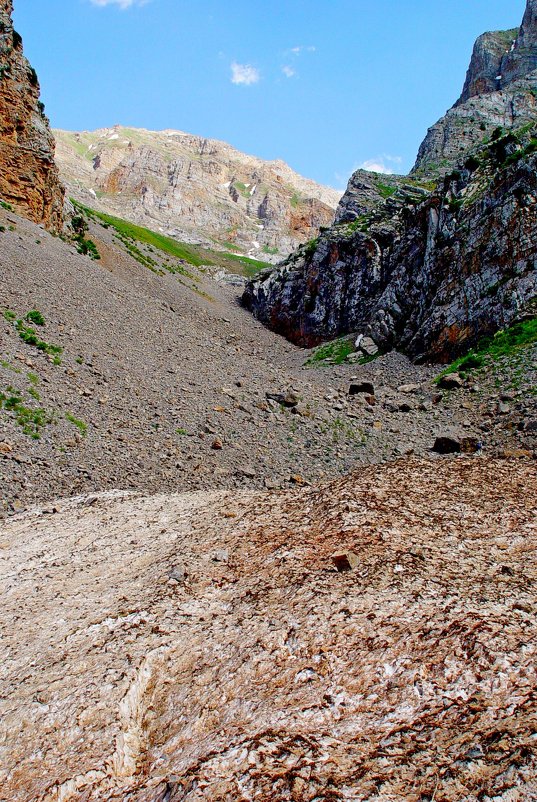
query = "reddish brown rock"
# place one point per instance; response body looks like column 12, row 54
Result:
column 29, row 179
column 137, row 667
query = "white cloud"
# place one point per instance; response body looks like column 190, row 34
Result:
column 244, row 74
column 301, row 49
column 381, row 164
column 288, row 71
column 124, row 4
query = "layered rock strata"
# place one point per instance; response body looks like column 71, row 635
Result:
column 500, row 91
column 195, row 189
column 29, row 179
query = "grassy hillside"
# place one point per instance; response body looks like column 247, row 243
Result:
column 194, row 255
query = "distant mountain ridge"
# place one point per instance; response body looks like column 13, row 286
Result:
column 196, row 189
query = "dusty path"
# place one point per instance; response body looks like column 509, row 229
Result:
column 204, row 646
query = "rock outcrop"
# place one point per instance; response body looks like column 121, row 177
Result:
column 429, row 263
column 370, row 639
column 197, row 190
column 29, row 179
column 500, row 91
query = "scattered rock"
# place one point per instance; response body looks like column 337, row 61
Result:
column 345, row 560
column 288, row 399
column 408, row 388
column 366, row 345
column 470, row 445
column 452, row 381
column 217, row 444
column 362, row 388
column 447, row 445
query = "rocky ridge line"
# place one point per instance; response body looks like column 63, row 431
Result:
column 195, row 189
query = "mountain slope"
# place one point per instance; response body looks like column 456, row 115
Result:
column 500, row 91
column 197, row 190
column 28, row 175
column 430, row 263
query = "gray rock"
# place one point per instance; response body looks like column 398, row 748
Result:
column 366, row 345
column 405, row 272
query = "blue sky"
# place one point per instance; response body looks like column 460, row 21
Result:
column 327, row 86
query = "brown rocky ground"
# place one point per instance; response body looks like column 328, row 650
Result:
column 205, row 646
column 159, row 368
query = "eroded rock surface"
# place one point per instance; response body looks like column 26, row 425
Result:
column 196, row 189
column 28, row 175
column 209, row 647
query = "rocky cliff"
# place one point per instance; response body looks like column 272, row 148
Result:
column 29, row 178
column 429, row 263
column 198, row 190
column 500, row 90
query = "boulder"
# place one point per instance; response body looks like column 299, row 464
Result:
column 362, row 388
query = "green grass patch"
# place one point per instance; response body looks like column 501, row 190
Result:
column 87, row 248
column 7, row 206
column 29, row 336
column 386, row 190
column 31, row 420
column 8, row 366
column 194, row 255
column 80, row 425
column 242, row 189
column 9, row 315
column 332, row 353
column 34, row 316
column 505, row 343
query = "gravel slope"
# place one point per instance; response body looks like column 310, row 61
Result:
column 164, row 380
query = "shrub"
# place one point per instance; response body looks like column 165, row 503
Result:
column 34, row 316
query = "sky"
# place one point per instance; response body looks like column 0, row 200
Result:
column 328, row 86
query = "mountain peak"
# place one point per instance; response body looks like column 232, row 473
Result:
column 522, row 57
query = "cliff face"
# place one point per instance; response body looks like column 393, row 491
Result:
column 429, row 280
column 499, row 91
column 198, row 190
column 29, row 178
column 428, row 266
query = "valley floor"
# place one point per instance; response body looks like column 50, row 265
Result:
column 164, row 383
column 368, row 637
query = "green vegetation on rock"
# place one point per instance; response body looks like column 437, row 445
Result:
column 505, row 343
column 332, row 353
